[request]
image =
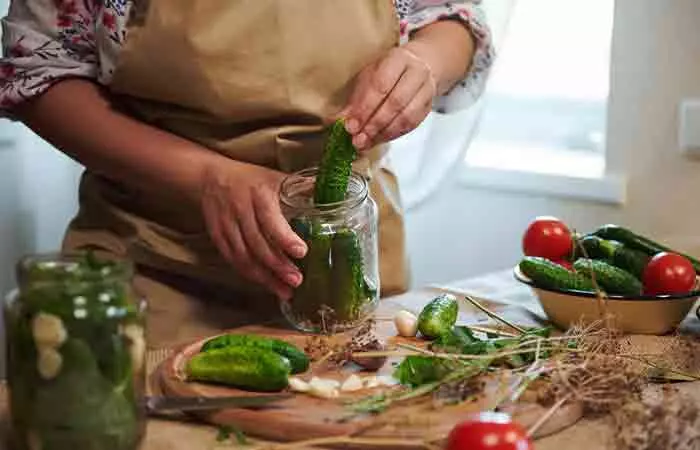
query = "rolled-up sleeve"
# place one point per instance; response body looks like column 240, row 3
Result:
column 44, row 42
column 415, row 14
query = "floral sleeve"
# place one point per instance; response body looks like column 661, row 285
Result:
column 415, row 14
column 46, row 41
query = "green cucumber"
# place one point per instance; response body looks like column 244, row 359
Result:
column 612, row 279
column 633, row 240
column 244, row 367
column 336, row 165
column 438, row 317
column 546, row 274
column 616, row 253
column 297, row 359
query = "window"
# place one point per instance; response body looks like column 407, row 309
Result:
column 544, row 110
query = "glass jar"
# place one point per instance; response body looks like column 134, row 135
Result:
column 340, row 289
column 75, row 355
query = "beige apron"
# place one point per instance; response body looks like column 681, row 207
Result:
column 255, row 80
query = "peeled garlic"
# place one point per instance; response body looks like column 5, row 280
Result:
column 371, row 382
column 353, row 383
column 48, row 331
column 49, row 363
column 406, row 323
column 319, row 387
column 298, row 385
column 387, row 380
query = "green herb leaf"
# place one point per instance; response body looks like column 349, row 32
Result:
column 419, row 370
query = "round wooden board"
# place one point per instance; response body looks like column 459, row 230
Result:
column 304, row 417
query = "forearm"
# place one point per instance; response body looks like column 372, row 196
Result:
column 77, row 118
column 447, row 47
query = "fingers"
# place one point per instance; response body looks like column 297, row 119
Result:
column 373, row 86
column 247, row 266
column 258, row 245
column 405, row 91
column 410, row 117
column 379, row 105
column 274, row 225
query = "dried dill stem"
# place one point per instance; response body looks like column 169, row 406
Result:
column 670, row 421
column 596, row 375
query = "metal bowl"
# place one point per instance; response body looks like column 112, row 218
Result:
column 643, row 314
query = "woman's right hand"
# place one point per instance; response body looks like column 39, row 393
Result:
column 241, row 209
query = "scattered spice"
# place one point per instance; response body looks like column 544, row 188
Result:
column 668, row 421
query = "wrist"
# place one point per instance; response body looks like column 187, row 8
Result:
column 447, row 47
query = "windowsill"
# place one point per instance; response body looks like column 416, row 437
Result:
column 608, row 188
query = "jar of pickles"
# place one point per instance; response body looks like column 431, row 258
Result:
column 340, row 286
column 75, row 355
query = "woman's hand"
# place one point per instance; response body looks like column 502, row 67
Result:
column 391, row 97
column 241, row 209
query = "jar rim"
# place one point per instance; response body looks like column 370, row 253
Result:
column 122, row 269
column 353, row 199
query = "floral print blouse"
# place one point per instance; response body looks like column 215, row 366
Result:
column 50, row 40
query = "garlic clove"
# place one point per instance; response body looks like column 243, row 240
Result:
column 49, row 363
column 387, row 380
column 48, row 331
column 298, row 385
column 406, row 323
column 351, row 384
column 371, row 382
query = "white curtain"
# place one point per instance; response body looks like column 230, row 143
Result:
column 427, row 157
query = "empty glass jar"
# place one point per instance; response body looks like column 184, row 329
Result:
column 75, row 355
column 340, row 288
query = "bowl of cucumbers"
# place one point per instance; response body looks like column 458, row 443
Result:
column 644, row 286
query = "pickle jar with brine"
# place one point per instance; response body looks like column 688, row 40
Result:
column 340, row 287
column 75, row 355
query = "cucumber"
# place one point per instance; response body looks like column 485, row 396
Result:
column 438, row 317
column 616, row 253
column 244, row 367
column 297, row 359
column 612, row 279
column 544, row 273
column 336, row 165
column 633, row 240
column 350, row 292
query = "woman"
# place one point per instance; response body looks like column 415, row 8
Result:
column 188, row 113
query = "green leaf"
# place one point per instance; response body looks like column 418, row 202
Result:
column 418, row 370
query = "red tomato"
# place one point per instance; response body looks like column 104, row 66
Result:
column 489, row 431
column 668, row 273
column 547, row 237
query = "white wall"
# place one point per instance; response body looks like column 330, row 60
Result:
column 655, row 63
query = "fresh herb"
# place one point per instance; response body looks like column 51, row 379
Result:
column 225, row 431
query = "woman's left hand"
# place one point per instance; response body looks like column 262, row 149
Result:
column 391, row 97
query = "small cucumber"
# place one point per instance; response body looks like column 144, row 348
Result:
column 544, row 273
column 244, row 367
column 633, row 240
column 438, row 317
column 616, row 253
column 612, row 279
column 297, row 359
column 336, row 166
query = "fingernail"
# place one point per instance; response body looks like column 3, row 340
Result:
column 352, row 126
column 360, row 140
column 298, row 251
column 293, row 279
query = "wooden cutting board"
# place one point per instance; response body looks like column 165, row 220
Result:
column 304, row 417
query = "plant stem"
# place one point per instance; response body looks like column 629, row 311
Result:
column 493, row 315
column 546, row 416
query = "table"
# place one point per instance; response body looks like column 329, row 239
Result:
column 499, row 291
